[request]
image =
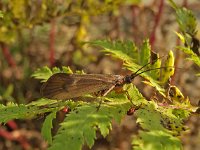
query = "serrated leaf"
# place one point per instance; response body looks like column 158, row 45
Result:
column 153, row 117
column 45, row 72
column 42, row 102
column 192, row 55
column 14, row 111
column 67, row 70
column 42, row 73
column 156, row 140
column 89, row 136
column 149, row 118
column 47, row 126
column 126, row 51
column 137, row 98
column 80, row 125
column 145, row 53
column 185, row 18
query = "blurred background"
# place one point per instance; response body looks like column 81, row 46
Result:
column 39, row 33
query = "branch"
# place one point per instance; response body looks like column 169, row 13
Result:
column 10, row 60
column 157, row 19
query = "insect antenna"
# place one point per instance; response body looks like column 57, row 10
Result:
column 132, row 76
column 135, row 75
column 148, row 64
column 129, row 78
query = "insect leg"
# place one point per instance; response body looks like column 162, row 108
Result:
column 104, row 94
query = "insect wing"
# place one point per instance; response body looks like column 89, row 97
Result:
column 64, row 86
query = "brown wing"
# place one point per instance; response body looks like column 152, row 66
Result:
column 64, row 86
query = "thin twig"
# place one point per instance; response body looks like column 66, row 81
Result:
column 156, row 22
column 10, row 60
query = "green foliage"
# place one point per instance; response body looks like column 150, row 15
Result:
column 126, row 51
column 47, row 126
column 156, row 140
column 185, row 18
column 44, row 73
column 161, row 123
column 145, row 53
column 187, row 24
column 29, row 111
column 191, row 54
column 80, row 126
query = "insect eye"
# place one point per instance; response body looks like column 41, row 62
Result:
column 128, row 79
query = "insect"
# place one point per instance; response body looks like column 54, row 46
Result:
column 66, row 86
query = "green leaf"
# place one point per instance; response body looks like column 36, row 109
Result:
column 153, row 117
column 156, row 140
column 42, row 102
column 161, row 125
column 44, row 73
column 13, row 111
column 47, row 126
column 149, row 118
column 136, row 97
column 145, row 53
column 192, row 55
column 126, row 51
column 80, row 125
column 186, row 19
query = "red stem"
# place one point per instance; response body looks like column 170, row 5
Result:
column 185, row 3
column 157, row 19
column 12, row 124
column 52, row 44
column 10, row 136
column 10, row 60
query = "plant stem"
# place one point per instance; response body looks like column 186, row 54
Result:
column 10, row 60
column 156, row 22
